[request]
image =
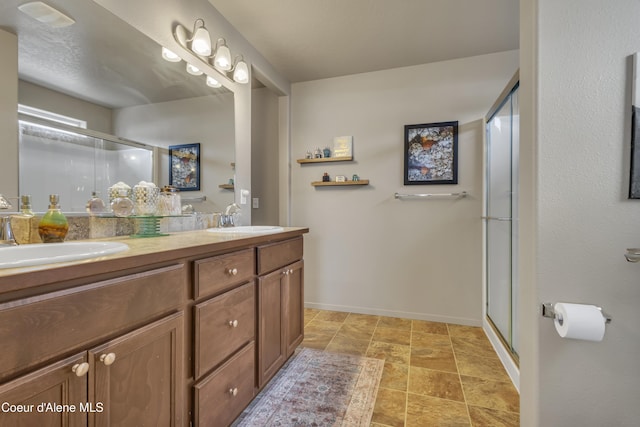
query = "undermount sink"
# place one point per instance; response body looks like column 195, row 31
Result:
column 247, row 229
column 48, row 253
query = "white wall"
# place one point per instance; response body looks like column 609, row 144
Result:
column 264, row 156
column 9, row 115
column 208, row 120
column 577, row 84
column 366, row 251
column 98, row 118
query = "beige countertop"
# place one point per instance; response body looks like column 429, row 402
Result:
column 141, row 251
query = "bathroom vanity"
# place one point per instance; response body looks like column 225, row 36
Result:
column 178, row 330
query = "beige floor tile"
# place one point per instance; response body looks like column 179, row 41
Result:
column 425, row 411
column 323, row 327
column 498, row 395
column 362, row 319
column 310, row 313
column 332, row 316
column 426, row 340
column 489, row 368
column 394, row 322
column 427, row 382
column 390, row 408
column 315, row 340
column 483, row 417
column 474, row 347
column 356, row 331
column 348, row 346
column 430, row 327
column 462, row 331
column 437, row 359
column 393, row 336
column 394, row 353
column 395, row 376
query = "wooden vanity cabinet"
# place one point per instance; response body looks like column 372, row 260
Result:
column 280, row 305
column 135, row 377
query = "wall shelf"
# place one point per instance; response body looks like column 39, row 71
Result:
column 226, row 186
column 335, row 184
column 325, row 160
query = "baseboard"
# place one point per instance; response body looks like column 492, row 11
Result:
column 503, row 354
column 394, row 313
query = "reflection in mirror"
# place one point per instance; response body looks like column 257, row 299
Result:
column 105, row 72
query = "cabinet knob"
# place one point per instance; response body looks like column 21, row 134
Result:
column 290, row 271
column 80, row 369
column 233, row 391
column 285, row 272
column 233, row 323
column 232, row 271
column 108, row 358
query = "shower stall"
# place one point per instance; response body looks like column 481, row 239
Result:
column 501, row 226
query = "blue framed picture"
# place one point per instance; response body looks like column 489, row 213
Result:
column 184, row 166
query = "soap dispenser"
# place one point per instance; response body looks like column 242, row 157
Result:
column 53, row 226
column 25, row 206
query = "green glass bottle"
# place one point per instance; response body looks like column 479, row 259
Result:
column 53, row 226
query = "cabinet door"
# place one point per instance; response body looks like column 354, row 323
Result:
column 293, row 304
column 56, row 384
column 137, row 378
column 270, row 309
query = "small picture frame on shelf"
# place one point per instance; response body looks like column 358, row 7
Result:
column 184, row 167
column 341, row 178
column 343, row 146
column 431, row 153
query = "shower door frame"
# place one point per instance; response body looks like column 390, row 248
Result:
column 503, row 346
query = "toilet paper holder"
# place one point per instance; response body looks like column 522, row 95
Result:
column 548, row 311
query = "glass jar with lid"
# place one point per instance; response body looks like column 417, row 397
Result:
column 170, row 203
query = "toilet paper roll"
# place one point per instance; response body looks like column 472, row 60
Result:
column 579, row 321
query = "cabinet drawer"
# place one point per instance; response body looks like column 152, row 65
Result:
column 276, row 255
column 215, row 274
column 222, row 325
column 221, row 397
column 59, row 322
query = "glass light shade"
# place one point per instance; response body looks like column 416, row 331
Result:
column 211, row 82
column 191, row 69
column 169, row 55
column 201, row 42
column 241, row 73
column 222, row 59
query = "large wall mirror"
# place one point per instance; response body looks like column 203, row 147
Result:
column 104, row 72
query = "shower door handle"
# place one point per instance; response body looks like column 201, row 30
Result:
column 497, row 218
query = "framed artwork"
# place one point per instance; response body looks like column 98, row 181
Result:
column 431, row 153
column 634, row 179
column 184, row 166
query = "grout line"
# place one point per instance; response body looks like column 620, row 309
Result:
column 455, row 358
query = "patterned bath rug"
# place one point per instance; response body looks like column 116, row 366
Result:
column 317, row 388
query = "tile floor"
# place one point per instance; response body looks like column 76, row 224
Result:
column 435, row 374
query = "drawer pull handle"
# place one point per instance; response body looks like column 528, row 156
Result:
column 233, row 391
column 287, row 272
column 232, row 271
column 108, row 358
column 233, row 323
column 80, row 369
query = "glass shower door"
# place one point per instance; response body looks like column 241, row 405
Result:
column 501, row 216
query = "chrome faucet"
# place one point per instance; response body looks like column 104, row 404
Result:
column 6, row 234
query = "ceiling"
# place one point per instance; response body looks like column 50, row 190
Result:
column 315, row 39
column 100, row 58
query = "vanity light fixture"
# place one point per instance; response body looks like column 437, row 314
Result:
column 219, row 56
column 193, row 70
column 46, row 14
column 170, row 55
column 241, row 70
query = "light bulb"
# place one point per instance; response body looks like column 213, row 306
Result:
column 201, row 42
column 222, row 59
column 241, row 73
column 211, row 82
column 191, row 69
column 169, row 55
